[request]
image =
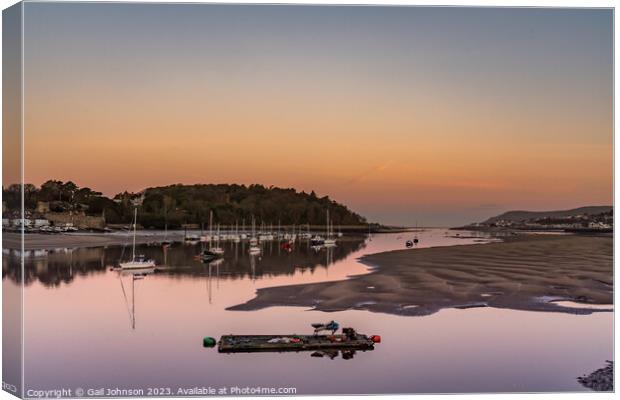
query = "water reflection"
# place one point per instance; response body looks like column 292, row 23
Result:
column 53, row 267
column 57, row 266
column 160, row 343
column 332, row 354
column 133, row 275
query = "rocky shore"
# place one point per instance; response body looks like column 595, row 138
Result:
column 601, row 380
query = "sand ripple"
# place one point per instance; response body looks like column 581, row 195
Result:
column 524, row 273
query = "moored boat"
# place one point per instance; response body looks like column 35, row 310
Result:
column 140, row 261
column 208, row 256
column 316, row 240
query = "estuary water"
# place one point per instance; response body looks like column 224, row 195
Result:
column 93, row 328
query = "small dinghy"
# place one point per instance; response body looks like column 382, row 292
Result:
column 208, row 256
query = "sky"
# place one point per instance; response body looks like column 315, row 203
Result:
column 434, row 116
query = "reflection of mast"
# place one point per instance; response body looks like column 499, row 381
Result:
column 133, row 302
column 132, row 310
column 209, row 284
column 253, row 266
column 71, row 265
column 329, row 259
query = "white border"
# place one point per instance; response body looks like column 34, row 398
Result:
column 476, row 3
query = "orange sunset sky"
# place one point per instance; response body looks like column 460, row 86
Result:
column 439, row 116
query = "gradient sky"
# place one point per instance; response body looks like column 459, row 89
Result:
column 437, row 115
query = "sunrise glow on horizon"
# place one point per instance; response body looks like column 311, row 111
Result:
column 439, row 116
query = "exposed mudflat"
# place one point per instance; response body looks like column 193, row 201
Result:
column 527, row 272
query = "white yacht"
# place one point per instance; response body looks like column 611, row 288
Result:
column 139, row 262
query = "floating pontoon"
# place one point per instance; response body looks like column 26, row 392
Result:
column 348, row 340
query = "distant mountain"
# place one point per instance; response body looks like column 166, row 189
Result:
column 519, row 216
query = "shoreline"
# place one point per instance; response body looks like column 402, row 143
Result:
column 525, row 272
column 50, row 241
column 40, row 241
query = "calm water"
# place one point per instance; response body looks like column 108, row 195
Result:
column 90, row 327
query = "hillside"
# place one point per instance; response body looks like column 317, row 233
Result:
column 178, row 204
column 520, row 216
column 237, row 203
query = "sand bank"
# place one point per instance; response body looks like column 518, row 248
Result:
column 529, row 272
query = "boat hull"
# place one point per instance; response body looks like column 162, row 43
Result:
column 137, row 265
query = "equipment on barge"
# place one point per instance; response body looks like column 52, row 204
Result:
column 349, row 339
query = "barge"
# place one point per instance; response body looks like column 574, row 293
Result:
column 348, row 340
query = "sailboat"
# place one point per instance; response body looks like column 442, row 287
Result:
column 166, row 242
column 192, row 238
column 243, row 235
column 254, row 248
column 236, row 238
column 217, row 249
column 139, row 262
column 214, row 252
column 317, row 240
column 329, row 240
column 307, row 234
column 209, row 237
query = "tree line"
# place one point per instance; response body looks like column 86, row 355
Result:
column 175, row 205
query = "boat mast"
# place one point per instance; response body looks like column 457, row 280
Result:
column 327, row 226
column 211, row 224
column 165, row 222
column 135, row 222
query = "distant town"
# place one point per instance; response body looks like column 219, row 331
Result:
column 599, row 219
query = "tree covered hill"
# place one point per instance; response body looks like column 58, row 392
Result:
column 238, row 203
column 520, row 216
column 189, row 204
